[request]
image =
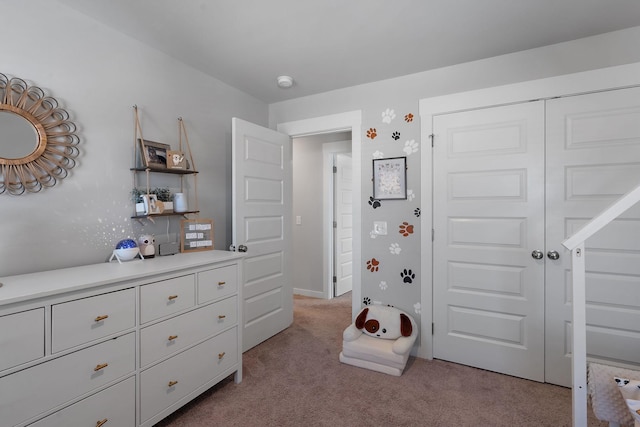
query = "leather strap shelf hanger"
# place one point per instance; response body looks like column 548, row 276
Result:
column 145, row 160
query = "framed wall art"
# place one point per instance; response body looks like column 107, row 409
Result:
column 390, row 178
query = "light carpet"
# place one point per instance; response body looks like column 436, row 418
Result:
column 295, row 379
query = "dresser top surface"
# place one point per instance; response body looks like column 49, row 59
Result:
column 46, row 283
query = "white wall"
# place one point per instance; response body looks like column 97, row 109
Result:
column 398, row 252
column 98, row 74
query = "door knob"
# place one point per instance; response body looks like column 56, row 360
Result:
column 242, row 248
column 537, row 254
column 553, row 255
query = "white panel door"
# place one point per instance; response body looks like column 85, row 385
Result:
column 344, row 224
column 261, row 199
column 488, row 215
column 593, row 157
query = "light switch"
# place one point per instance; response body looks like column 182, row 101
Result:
column 298, row 220
column 380, row 228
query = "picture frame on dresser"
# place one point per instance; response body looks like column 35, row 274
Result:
column 196, row 235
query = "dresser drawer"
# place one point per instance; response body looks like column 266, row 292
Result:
column 217, row 283
column 113, row 407
column 33, row 391
column 21, row 338
column 163, row 298
column 84, row 320
column 166, row 383
column 164, row 338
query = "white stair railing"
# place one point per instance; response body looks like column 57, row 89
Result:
column 575, row 244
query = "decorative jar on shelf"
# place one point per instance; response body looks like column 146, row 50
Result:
column 179, row 202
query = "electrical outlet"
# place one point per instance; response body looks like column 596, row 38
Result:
column 380, row 228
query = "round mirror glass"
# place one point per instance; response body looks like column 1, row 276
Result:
column 18, row 138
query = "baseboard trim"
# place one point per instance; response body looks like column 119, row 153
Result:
column 308, row 293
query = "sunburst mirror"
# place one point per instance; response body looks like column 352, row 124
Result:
column 38, row 144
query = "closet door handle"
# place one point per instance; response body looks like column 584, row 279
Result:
column 537, row 254
column 554, row 255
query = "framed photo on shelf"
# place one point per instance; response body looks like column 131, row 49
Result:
column 176, row 160
column 152, row 205
column 154, row 154
column 390, row 178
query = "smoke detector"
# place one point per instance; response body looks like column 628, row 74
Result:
column 285, row 81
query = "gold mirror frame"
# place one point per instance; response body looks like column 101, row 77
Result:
column 56, row 148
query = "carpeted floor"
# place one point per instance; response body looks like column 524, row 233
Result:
column 295, row 379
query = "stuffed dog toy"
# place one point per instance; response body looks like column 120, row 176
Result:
column 380, row 338
column 384, row 322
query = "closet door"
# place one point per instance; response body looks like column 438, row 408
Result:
column 488, row 219
column 593, row 157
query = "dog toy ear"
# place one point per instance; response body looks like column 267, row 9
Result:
column 362, row 318
column 405, row 325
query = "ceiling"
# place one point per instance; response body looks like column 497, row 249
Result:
column 332, row 44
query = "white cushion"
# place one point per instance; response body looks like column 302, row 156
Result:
column 374, row 350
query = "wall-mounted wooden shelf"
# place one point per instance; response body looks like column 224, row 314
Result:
column 174, row 171
column 164, row 214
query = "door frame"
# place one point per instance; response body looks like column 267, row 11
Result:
column 347, row 121
column 617, row 77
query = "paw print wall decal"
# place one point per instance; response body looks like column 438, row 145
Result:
column 377, row 154
column 395, row 249
column 366, row 301
column 416, row 212
column 410, row 147
column 408, row 118
column 383, row 285
column 407, row 276
column 417, row 308
column 388, row 115
column 406, row 229
column 373, row 265
column 374, row 203
column 372, row 133
column 395, row 136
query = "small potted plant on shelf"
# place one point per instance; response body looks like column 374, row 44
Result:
column 136, row 197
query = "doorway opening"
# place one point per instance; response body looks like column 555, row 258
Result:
column 322, row 215
column 334, row 123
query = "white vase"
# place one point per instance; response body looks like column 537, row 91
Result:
column 179, row 202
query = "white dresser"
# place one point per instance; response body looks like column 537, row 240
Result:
column 118, row 345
